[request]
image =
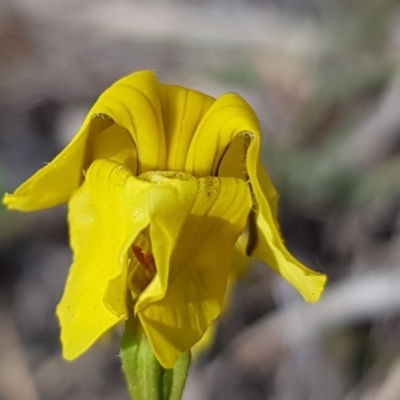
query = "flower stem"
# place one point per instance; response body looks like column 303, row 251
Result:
column 147, row 379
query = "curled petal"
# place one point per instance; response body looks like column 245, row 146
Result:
column 81, row 215
column 265, row 240
column 133, row 103
column 137, row 122
column 125, row 120
column 57, row 181
column 241, row 261
column 222, row 122
column 239, row 266
column 91, row 304
column 194, row 224
column 228, row 139
column 182, row 111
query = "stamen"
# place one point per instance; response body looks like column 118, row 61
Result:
column 145, row 259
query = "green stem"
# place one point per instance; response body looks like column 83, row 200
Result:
column 147, row 379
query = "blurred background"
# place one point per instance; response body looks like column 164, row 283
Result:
column 323, row 76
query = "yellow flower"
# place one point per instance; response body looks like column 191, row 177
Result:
column 161, row 181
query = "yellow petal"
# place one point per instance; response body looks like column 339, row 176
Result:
column 93, row 300
column 130, row 107
column 55, row 183
column 265, row 240
column 115, row 144
column 134, row 104
column 229, row 128
column 81, row 215
column 194, row 225
column 182, row 111
column 241, row 261
column 205, row 342
column 239, row 266
column 222, row 122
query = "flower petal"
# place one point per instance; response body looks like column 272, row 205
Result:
column 215, row 149
column 129, row 107
column 54, row 183
column 81, row 215
column 241, row 261
column 90, row 304
column 182, row 111
column 266, row 244
column 265, row 241
column 222, row 122
column 239, row 266
column 194, row 225
column 133, row 103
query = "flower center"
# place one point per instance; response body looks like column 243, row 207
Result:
column 145, row 259
column 163, row 176
column 142, row 266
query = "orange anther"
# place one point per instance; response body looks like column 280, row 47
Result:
column 146, row 259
